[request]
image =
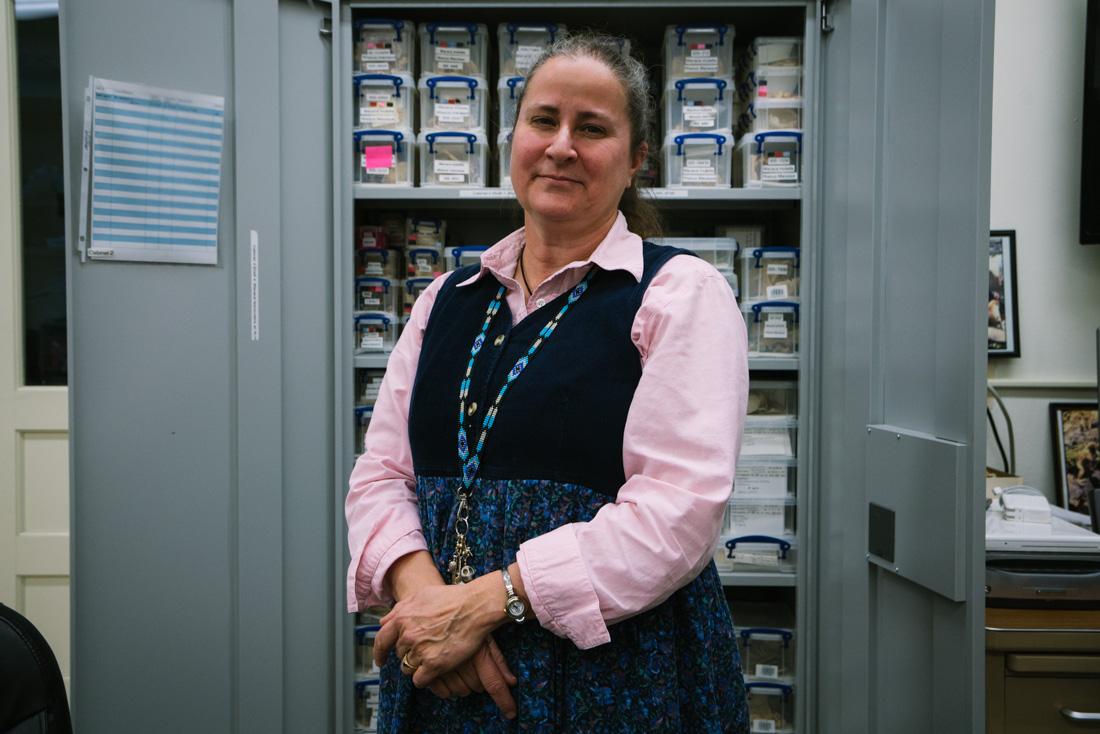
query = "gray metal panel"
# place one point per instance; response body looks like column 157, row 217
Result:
column 905, row 184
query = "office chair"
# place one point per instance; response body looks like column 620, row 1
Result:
column 32, row 693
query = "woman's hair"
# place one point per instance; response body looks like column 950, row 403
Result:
column 641, row 215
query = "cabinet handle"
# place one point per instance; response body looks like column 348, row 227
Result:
column 1080, row 715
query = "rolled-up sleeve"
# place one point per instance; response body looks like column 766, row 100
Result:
column 381, row 508
column 680, row 446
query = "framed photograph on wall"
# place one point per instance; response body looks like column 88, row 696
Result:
column 1076, row 433
column 1004, row 321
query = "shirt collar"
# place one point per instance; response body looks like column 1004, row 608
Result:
column 621, row 249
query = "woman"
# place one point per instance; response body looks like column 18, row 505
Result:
column 569, row 515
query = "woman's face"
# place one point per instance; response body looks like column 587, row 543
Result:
column 571, row 157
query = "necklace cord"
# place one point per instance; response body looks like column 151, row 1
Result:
column 523, row 273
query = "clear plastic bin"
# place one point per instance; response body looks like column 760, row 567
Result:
column 770, row 273
column 773, row 398
column 380, row 262
column 413, row 288
column 773, row 478
column 370, row 235
column 366, row 705
column 767, row 652
column 368, row 382
column 775, row 51
column 384, row 46
column 453, row 102
column 460, row 257
column 424, row 262
column 772, row 82
column 748, row 236
column 771, row 707
column 375, row 332
column 508, row 89
column 718, row 251
column 383, row 101
column 363, row 415
column 773, row 437
column 453, row 158
column 770, row 158
column 772, row 327
column 698, row 50
column 698, row 104
column 376, row 294
column 454, row 48
column 772, row 114
column 697, row 160
column 382, row 157
column 426, row 232
column 504, row 158
column 756, row 554
column 760, row 516
column 364, row 650
column 731, row 278
column 521, row 44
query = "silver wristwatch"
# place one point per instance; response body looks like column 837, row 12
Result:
column 513, row 605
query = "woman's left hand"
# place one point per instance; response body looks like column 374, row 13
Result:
column 439, row 627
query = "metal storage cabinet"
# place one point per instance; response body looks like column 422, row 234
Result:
column 209, row 460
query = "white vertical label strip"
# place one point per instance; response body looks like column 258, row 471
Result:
column 85, row 172
column 254, row 282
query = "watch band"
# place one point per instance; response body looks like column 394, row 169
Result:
column 513, row 605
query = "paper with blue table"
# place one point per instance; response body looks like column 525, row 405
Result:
column 151, row 174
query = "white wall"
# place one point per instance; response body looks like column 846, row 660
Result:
column 1038, row 80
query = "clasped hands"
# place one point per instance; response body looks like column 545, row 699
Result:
column 441, row 633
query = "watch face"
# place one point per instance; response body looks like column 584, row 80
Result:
column 516, row 608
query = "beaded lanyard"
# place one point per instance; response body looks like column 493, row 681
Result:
column 459, row 567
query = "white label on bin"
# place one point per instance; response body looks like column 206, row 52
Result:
column 778, row 268
column 700, row 52
column 451, row 178
column 766, row 442
column 424, row 265
column 778, row 167
column 374, row 65
column 452, row 112
column 767, row 671
column 753, row 558
column 776, row 292
column 526, row 56
column 379, row 54
column 700, row 115
column 697, row 64
column 756, row 519
column 373, row 268
column 699, row 170
column 440, row 166
column 775, row 327
column 485, row 194
column 761, row 481
column 763, row 726
column 452, row 55
column 371, row 300
column 378, row 115
column 371, row 341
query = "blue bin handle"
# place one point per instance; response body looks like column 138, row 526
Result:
column 397, row 81
column 359, row 412
column 720, row 84
column 413, row 251
column 361, row 684
column 363, row 629
column 716, row 137
column 551, row 28
column 383, row 251
column 471, row 28
column 397, row 136
column 458, row 251
column 756, row 308
column 721, row 29
column 513, row 82
column 759, row 252
column 784, row 546
column 432, row 137
column 374, row 279
column 385, row 320
column 434, row 80
column 759, row 138
column 749, row 632
column 786, row 689
column 410, row 282
column 397, row 25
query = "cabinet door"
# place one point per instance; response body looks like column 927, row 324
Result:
column 202, row 473
column 1035, row 704
column 904, row 180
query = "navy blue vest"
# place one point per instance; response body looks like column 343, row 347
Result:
column 563, row 419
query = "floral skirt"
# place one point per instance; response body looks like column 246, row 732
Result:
column 674, row 668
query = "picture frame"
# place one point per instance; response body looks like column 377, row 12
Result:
column 1003, row 306
column 1075, row 430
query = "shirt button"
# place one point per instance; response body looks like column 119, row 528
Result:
column 540, row 302
column 471, row 409
column 498, row 341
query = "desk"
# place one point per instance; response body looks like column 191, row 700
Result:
column 1042, row 665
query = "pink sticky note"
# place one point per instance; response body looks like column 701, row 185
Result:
column 378, row 156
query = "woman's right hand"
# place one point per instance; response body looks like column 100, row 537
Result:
column 486, row 671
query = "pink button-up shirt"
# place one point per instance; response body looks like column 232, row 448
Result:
column 680, row 445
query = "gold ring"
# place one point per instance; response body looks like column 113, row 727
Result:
column 407, row 664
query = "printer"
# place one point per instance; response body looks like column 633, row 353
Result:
column 1035, row 558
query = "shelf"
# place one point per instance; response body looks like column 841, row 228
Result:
column 757, row 579
column 377, row 361
column 439, row 195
